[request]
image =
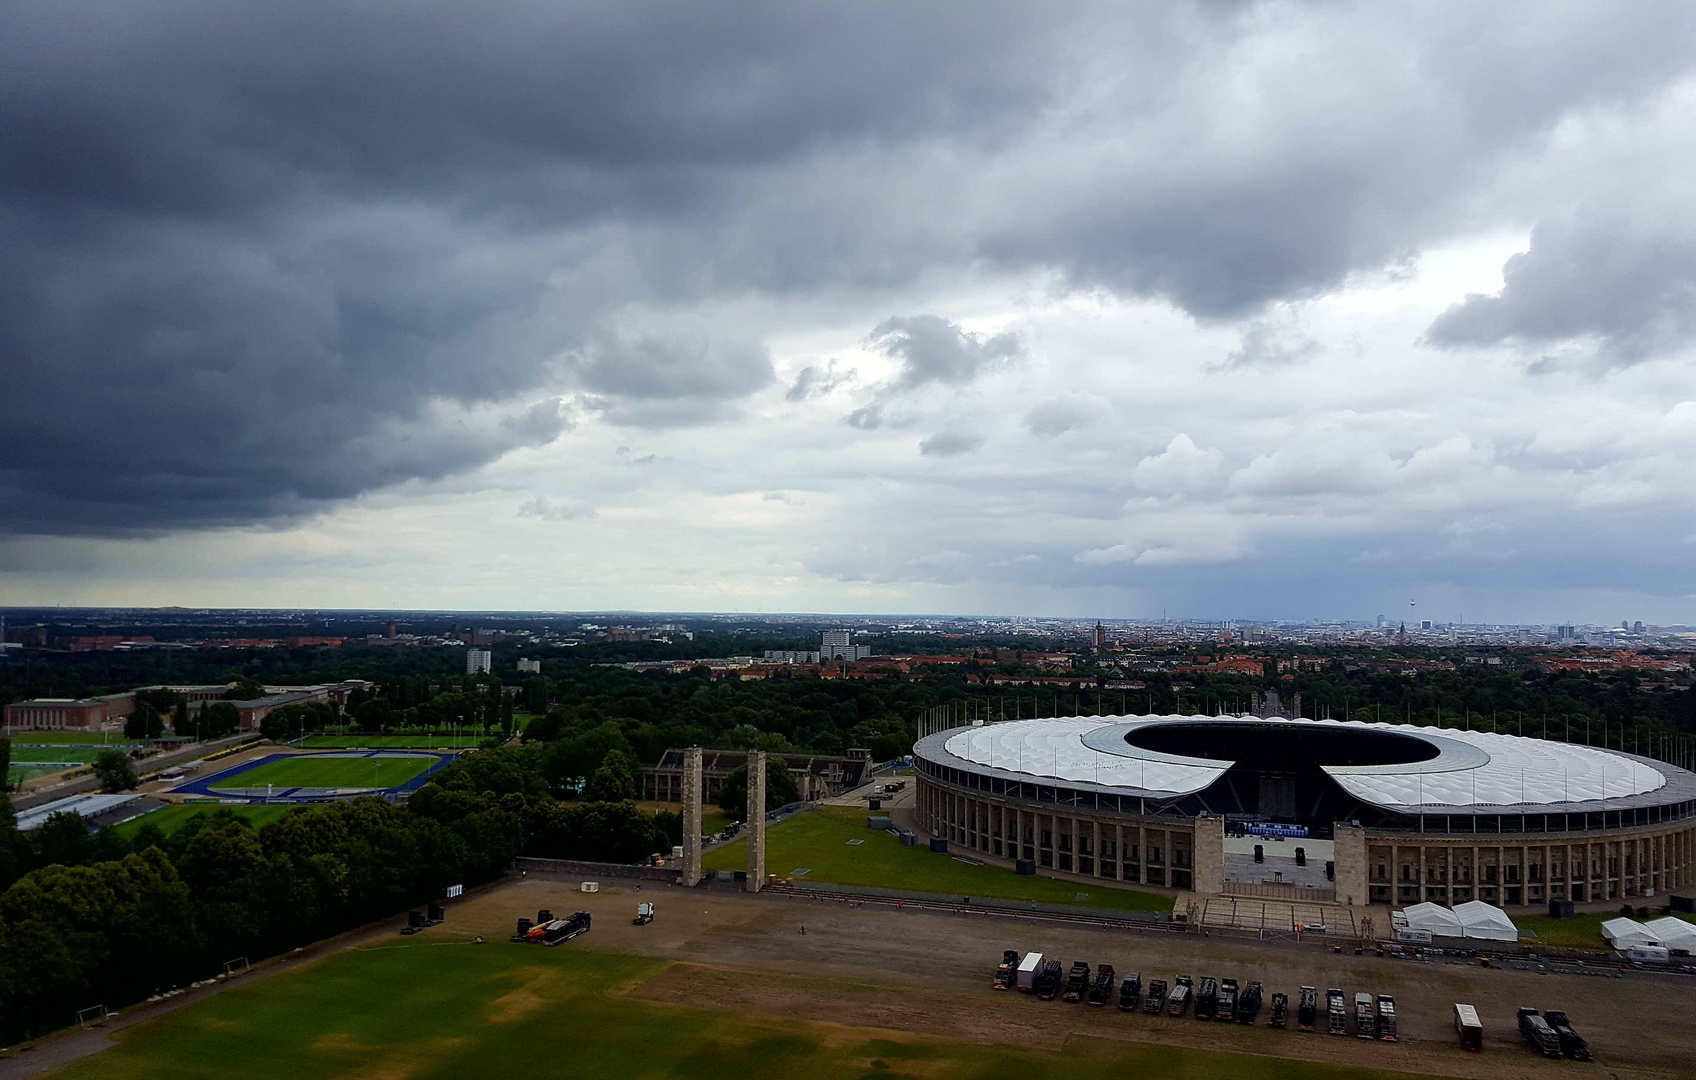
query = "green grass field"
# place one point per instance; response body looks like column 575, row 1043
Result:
column 1582, row 931
column 23, row 755
column 314, row 771
column 390, row 742
column 818, row 842
column 18, row 774
column 436, row 1011
column 171, row 818
column 72, row 738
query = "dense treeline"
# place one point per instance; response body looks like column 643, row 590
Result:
column 95, row 919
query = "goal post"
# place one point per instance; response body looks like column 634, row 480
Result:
column 233, row 966
column 91, row 1015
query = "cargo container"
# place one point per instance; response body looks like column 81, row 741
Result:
column 1386, row 1018
column 1228, row 1000
column 1280, row 1015
column 1248, row 1003
column 1206, row 998
column 1048, row 981
column 1336, row 1013
column 1307, row 1010
column 1468, row 1027
column 1538, row 1034
column 1178, row 1001
column 1130, row 992
column 1029, row 968
column 1102, row 988
column 1077, row 982
column 1365, row 1020
column 1007, row 972
column 1572, row 1044
column 1156, row 997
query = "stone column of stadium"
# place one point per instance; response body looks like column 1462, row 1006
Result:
column 756, row 820
column 692, row 816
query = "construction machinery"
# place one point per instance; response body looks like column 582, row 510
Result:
column 1048, row 980
column 1102, row 988
column 1029, row 969
column 1386, row 1018
column 1307, row 1009
column 1130, row 992
column 644, row 915
column 1248, row 1004
column 1538, row 1034
column 1280, row 1015
column 1573, row 1045
column 1206, row 998
column 1336, row 1016
column 1469, row 1027
column 1227, row 1000
column 1156, row 997
column 1007, row 972
column 1178, row 1001
column 1077, row 982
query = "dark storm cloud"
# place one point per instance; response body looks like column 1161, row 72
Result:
column 1611, row 279
column 258, row 259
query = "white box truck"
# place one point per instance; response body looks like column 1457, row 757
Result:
column 1028, row 968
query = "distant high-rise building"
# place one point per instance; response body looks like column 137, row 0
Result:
column 1637, row 627
column 1380, row 622
column 839, row 645
column 1565, row 633
column 1425, row 624
column 1099, row 638
column 477, row 661
column 391, row 634
column 527, row 667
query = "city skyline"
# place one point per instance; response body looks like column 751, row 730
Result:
column 1259, row 312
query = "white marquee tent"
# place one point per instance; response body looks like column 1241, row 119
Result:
column 1673, row 933
column 1623, row 933
column 1434, row 919
column 1486, row 921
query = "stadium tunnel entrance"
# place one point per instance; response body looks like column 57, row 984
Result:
column 1278, row 772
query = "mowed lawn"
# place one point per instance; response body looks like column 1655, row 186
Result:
column 466, row 741
column 450, row 1011
column 73, row 738
column 314, row 771
column 818, row 841
column 171, row 818
column 83, row 755
column 1582, row 931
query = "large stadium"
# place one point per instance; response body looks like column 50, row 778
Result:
column 1347, row 811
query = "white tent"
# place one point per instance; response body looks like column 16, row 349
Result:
column 1434, row 919
column 1673, row 933
column 1623, row 933
column 1486, row 921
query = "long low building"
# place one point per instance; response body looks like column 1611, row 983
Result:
column 817, row 776
column 1328, row 810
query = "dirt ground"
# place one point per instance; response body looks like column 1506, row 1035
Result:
column 928, row 974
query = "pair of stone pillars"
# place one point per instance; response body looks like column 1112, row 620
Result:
column 692, row 790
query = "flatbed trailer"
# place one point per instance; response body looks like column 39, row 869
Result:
column 1307, row 1012
column 1227, row 1000
column 1007, row 971
column 1386, row 1018
column 1206, row 998
column 1178, row 1001
column 1248, row 1003
column 1280, row 1014
column 1102, row 988
column 1336, row 1015
column 1048, row 982
column 1365, row 1021
column 1130, row 992
column 1155, row 999
column 1573, row 1045
column 1538, row 1034
column 1077, row 982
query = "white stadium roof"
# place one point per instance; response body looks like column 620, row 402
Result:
column 1472, row 771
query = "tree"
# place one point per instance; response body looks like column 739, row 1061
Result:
column 145, row 724
column 115, row 770
column 538, row 692
column 614, row 781
column 181, row 726
column 244, row 688
column 5, row 764
column 218, row 719
column 780, row 789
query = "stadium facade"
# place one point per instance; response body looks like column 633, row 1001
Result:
column 1395, row 814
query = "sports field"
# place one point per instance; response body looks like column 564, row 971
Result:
column 171, row 818
column 71, row 738
column 317, row 771
column 466, row 741
column 819, row 842
column 441, row 1009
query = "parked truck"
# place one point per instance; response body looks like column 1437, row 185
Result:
column 644, row 915
column 1336, row 1015
column 1155, row 1000
column 1469, row 1027
column 1029, row 968
column 1228, row 1000
column 1178, row 1001
column 1280, row 1015
column 1572, row 1044
column 1307, row 1010
column 1007, row 972
column 1365, row 1020
column 1248, row 1004
column 1048, row 980
column 1386, row 1018
column 1130, row 992
column 559, row 931
column 1077, row 982
column 1206, row 998
column 1102, row 988
column 1538, row 1034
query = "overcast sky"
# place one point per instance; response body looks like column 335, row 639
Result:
column 1225, row 311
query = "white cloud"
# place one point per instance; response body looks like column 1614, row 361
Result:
column 1181, row 467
